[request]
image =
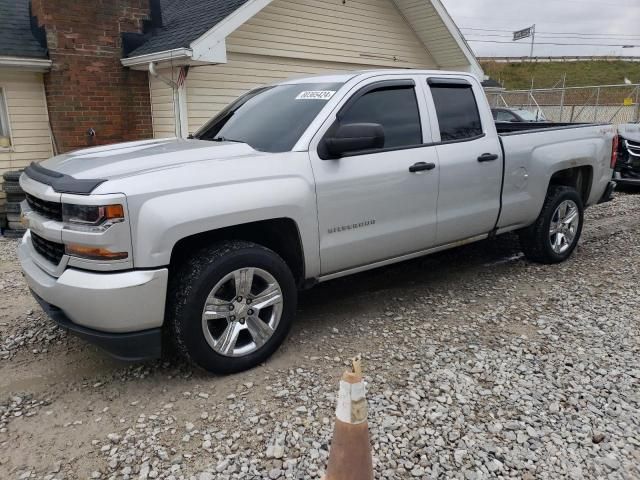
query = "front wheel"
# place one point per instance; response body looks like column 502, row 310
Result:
column 555, row 234
column 233, row 305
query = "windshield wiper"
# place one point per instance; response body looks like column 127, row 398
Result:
column 224, row 139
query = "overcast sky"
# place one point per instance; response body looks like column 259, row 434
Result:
column 610, row 22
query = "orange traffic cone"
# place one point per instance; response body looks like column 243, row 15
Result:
column 350, row 455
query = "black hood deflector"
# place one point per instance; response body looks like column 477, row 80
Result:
column 60, row 182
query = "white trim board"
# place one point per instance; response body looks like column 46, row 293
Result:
column 210, row 48
column 26, row 63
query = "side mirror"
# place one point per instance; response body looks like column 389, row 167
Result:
column 354, row 137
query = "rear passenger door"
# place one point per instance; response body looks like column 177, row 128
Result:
column 470, row 159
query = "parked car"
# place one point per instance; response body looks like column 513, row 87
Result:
column 627, row 170
column 209, row 239
column 517, row 115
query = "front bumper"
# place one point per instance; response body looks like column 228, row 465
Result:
column 130, row 347
column 620, row 180
column 102, row 307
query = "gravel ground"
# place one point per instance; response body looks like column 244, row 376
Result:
column 478, row 364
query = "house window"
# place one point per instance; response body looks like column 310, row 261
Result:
column 5, row 134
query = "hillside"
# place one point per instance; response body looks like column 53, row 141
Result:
column 518, row 75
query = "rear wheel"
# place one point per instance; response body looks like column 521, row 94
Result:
column 555, row 234
column 233, row 305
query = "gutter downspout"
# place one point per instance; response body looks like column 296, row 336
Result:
column 177, row 99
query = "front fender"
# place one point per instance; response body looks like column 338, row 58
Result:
column 164, row 220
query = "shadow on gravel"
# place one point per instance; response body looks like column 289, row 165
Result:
column 421, row 272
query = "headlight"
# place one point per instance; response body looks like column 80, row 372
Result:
column 91, row 218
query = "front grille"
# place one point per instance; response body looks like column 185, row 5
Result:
column 633, row 147
column 51, row 210
column 52, row 251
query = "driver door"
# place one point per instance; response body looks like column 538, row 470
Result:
column 376, row 205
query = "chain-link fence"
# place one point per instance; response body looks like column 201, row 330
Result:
column 598, row 104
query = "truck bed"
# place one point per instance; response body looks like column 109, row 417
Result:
column 518, row 128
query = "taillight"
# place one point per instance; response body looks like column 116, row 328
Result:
column 614, row 151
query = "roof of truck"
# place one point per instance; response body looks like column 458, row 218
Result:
column 344, row 77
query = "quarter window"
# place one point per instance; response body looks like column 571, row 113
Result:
column 395, row 108
column 5, row 134
column 457, row 112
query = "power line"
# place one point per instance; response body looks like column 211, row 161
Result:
column 558, row 44
column 547, row 36
column 608, row 35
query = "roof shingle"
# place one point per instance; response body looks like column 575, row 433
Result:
column 16, row 36
column 185, row 21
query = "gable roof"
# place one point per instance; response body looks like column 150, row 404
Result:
column 184, row 21
column 16, row 36
column 195, row 31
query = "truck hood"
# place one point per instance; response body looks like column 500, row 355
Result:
column 630, row 131
column 135, row 158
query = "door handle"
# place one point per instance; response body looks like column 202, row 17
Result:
column 421, row 167
column 487, row 157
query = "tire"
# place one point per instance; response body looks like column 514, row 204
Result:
column 12, row 188
column 536, row 240
column 16, row 226
column 14, row 233
column 12, row 176
column 15, row 197
column 14, row 217
column 199, row 276
column 13, row 207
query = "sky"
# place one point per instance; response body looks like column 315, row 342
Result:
column 598, row 27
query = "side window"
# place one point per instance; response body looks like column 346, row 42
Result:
column 5, row 134
column 457, row 111
column 396, row 109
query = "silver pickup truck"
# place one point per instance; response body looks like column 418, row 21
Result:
column 205, row 242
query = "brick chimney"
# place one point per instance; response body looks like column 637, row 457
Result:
column 92, row 98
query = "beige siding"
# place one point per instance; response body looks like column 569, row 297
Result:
column 428, row 24
column 28, row 120
column 210, row 88
column 162, row 106
column 304, row 37
column 365, row 32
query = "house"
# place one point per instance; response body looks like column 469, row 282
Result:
column 24, row 123
column 76, row 73
column 241, row 44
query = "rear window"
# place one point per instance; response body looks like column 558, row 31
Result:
column 457, row 112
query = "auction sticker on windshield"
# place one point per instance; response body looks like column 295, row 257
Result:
column 316, row 95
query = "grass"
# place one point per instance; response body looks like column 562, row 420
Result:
column 545, row 75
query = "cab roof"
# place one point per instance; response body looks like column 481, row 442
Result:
column 363, row 74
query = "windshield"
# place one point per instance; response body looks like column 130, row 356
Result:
column 270, row 119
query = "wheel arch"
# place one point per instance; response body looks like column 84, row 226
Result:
column 580, row 178
column 280, row 235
